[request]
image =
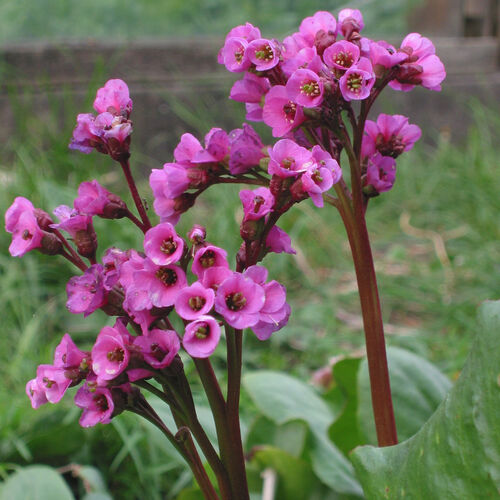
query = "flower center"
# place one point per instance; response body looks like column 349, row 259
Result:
column 354, row 83
column 287, row 163
column 208, row 259
column 196, row 303
column 238, row 55
column 168, row 246
column 101, row 402
column 158, row 352
column 258, row 201
column 202, row 332
column 235, row 301
column 316, row 177
column 48, row 383
column 310, row 89
column 167, row 276
column 265, row 53
column 27, row 235
column 290, row 109
column 344, row 59
column 116, row 355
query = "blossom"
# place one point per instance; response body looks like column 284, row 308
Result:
column 86, row 293
column 278, row 241
column 94, row 199
column 216, row 147
column 341, row 55
column 201, row 337
column 320, row 21
column 162, row 244
column 194, row 301
column 263, row 53
column 67, row 355
column 381, row 173
column 159, row 347
column 197, row 234
column 280, row 113
column 234, row 55
column 357, row 82
column 97, row 404
column 112, row 260
column 245, row 149
column 36, row 393
column 207, row 257
column 239, row 300
column 390, row 135
column 114, row 98
column 305, row 88
column 26, row 233
column 256, row 203
column 350, row 20
column 288, row 159
column 53, row 381
column 250, row 89
column 384, row 56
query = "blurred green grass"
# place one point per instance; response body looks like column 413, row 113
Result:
column 429, row 299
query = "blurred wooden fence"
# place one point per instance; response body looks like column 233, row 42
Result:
column 178, row 85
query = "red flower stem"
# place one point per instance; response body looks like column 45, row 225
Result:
column 75, row 257
column 146, row 224
column 234, row 339
column 135, row 220
column 77, row 262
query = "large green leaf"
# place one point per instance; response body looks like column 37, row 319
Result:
column 417, row 387
column 282, row 398
column 457, row 452
column 36, row 482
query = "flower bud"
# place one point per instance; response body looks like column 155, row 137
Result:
column 51, row 245
column 86, row 242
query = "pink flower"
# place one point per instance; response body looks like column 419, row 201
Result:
column 272, row 322
column 159, row 347
column 85, row 136
column 162, row 244
column 247, row 31
column 384, row 56
column 110, row 355
column 234, row 55
column 239, row 300
column 306, row 57
column 53, row 381
column 214, row 276
column 305, row 88
column 166, row 209
column 320, row 21
column 201, row 337
column 114, row 98
column 390, row 135
column 381, row 173
column 36, row 393
column 168, row 183
column 245, row 149
column 280, row 113
column 67, row 355
column 187, row 148
column 263, row 53
column 278, row 241
column 350, row 20
column 112, row 260
column 216, row 147
column 315, row 181
column 357, row 81
column 257, row 203
column 197, row 234
column 207, row 257
column 97, row 405
column 26, row 233
column 194, row 301
column 86, row 293
column 288, row 159
column 94, row 199
column 250, row 89
column 341, row 55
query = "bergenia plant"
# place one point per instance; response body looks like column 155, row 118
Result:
column 314, row 90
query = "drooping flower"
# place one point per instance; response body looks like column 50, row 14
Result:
column 320, row 21
column 250, row 89
column 97, row 404
column 380, row 173
column 278, row 241
column 67, row 355
column 201, row 337
column 53, row 381
column 114, row 98
column 245, row 149
column 349, row 21
column 257, row 203
column 36, row 393
column 94, row 199
column 86, row 293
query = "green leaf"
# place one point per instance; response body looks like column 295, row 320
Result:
column 344, row 432
column 457, row 452
column 417, row 387
column 295, row 476
column 36, row 482
column 282, row 398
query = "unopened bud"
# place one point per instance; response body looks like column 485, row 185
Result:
column 197, row 234
column 116, row 208
column 250, row 230
column 86, row 242
column 43, row 219
column 51, row 245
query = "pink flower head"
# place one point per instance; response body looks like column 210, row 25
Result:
column 97, row 404
column 234, row 55
column 94, row 199
column 280, row 113
column 201, row 337
column 320, row 21
column 162, row 244
column 306, row 57
column 166, row 209
column 390, row 135
column 86, row 293
column 341, row 55
column 214, row 276
column 159, row 347
column 110, row 355
column 381, row 173
column 239, row 300
column 357, row 81
column 216, row 147
column 170, row 182
column 71, row 220
column 19, row 206
column 197, row 234
column 278, row 241
column 207, row 257
column 53, row 382
column 288, row 159
column 305, row 88
column 247, row 31
column 26, row 233
column 245, row 149
column 250, row 89
column 155, row 286
column 422, row 67
column 187, row 148
column 272, row 322
column 114, row 130
column 67, row 355
column 194, row 301
column 114, row 98
column 350, row 20
column 263, row 53
column 384, row 56
column 112, row 260
column 257, row 203
column 36, row 393
column 85, row 136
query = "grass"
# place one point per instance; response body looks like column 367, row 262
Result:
column 444, row 195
